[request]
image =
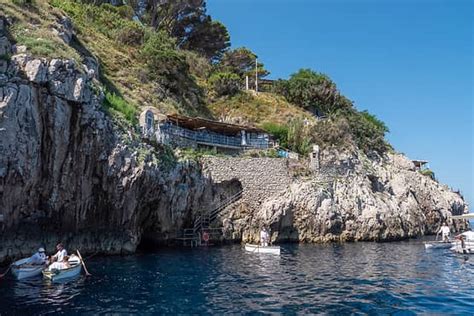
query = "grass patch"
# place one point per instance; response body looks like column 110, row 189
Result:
column 117, row 103
column 257, row 109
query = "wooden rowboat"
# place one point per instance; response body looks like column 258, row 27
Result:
column 21, row 269
column 60, row 274
column 263, row 249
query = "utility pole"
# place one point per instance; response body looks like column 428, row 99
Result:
column 256, row 76
column 246, row 83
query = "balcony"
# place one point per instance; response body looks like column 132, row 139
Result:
column 209, row 138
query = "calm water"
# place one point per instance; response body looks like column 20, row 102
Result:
column 396, row 278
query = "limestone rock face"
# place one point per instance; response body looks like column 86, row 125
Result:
column 67, row 172
column 354, row 197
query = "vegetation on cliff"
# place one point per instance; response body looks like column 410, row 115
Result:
column 172, row 55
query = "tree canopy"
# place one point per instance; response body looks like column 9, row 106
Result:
column 188, row 22
column 313, row 91
column 241, row 61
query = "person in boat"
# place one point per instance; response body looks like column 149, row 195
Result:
column 445, row 232
column 39, row 258
column 264, row 237
column 463, row 243
column 60, row 254
column 60, row 265
column 66, row 264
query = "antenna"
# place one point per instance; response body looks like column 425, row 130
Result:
column 256, row 75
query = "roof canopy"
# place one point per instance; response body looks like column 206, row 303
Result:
column 195, row 123
column 419, row 162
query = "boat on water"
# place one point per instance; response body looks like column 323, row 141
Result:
column 21, row 269
column 60, row 274
column 438, row 244
column 263, row 249
column 466, row 246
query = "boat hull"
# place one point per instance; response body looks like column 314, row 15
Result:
column 468, row 247
column 261, row 249
column 438, row 245
column 61, row 274
column 21, row 270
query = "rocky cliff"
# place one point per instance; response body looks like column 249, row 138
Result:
column 69, row 172
column 355, row 197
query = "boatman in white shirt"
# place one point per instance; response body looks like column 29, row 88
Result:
column 38, row 258
column 59, row 256
column 264, row 237
column 57, row 261
column 445, row 232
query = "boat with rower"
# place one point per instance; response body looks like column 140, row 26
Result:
column 74, row 269
column 262, row 249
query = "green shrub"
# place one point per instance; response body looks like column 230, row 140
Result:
column 131, row 34
column 225, row 83
column 117, row 103
column 280, row 132
column 313, row 91
column 164, row 63
column 428, row 173
column 299, row 137
column 368, row 131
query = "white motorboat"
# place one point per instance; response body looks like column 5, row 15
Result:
column 60, row 274
column 438, row 244
column 263, row 249
column 465, row 246
column 21, row 269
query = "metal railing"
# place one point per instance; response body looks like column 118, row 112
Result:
column 208, row 137
column 204, row 220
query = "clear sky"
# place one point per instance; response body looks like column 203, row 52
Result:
column 410, row 62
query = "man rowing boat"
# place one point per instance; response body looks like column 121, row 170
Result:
column 57, row 260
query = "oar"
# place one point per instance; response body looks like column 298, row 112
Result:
column 83, row 263
column 8, row 270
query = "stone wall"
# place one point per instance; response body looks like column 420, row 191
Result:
column 260, row 177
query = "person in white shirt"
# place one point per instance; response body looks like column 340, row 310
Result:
column 59, row 256
column 264, row 237
column 38, row 258
column 445, row 232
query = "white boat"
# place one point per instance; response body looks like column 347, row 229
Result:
column 467, row 246
column 438, row 244
column 263, row 249
column 466, row 216
column 21, row 269
column 59, row 274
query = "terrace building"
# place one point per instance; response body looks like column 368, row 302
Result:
column 194, row 132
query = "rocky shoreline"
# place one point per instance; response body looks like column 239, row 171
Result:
column 69, row 172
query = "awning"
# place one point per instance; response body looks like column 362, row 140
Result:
column 196, row 123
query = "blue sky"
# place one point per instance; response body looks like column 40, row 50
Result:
column 410, row 62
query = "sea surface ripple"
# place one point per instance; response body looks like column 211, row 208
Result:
column 354, row 278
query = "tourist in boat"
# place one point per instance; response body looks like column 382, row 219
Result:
column 445, row 232
column 38, row 258
column 264, row 236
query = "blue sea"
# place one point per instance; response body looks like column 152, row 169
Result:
column 400, row 278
